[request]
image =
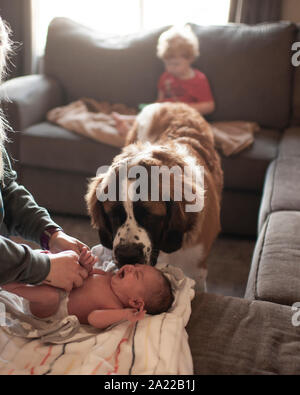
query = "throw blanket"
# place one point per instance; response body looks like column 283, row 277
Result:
column 155, row 345
column 92, row 119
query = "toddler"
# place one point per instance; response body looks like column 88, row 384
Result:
column 104, row 298
column 178, row 49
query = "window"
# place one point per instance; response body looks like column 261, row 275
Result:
column 126, row 16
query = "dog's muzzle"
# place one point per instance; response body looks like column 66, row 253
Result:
column 129, row 254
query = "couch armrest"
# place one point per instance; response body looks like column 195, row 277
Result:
column 26, row 100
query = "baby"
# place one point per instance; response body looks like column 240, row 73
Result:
column 104, row 298
column 178, row 49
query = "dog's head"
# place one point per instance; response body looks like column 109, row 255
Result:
column 137, row 227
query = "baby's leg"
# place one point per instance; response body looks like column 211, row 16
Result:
column 44, row 300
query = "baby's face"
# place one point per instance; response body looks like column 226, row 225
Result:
column 133, row 281
column 178, row 66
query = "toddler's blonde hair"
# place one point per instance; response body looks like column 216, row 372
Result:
column 178, row 41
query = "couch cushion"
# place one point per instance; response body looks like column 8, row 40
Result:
column 236, row 336
column 275, row 269
column 48, row 146
column 290, row 142
column 246, row 170
column 281, row 190
column 296, row 86
column 241, row 62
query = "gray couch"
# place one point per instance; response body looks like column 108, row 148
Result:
column 252, row 79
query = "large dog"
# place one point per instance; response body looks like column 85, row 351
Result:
column 165, row 136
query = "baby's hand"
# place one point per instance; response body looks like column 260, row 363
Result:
column 134, row 315
column 87, row 259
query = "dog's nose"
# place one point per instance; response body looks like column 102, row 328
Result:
column 126, row 254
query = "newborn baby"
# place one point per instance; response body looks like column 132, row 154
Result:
column 104, row 298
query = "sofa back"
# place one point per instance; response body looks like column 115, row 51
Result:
column 115, row 69
column 296, row 92
column 250, row 71
column 249, row 67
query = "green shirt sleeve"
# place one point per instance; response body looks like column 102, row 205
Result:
column 22, row 216
column 20, row 263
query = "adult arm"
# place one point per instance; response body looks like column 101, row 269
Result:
column 20, row 263
column 22, row 215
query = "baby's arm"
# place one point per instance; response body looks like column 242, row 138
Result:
column 103, row 318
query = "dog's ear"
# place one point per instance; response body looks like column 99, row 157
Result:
column 174, row 227
column 104, row 230
column 99, row 218
column 132, row 134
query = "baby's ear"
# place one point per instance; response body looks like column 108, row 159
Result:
column 137, row 303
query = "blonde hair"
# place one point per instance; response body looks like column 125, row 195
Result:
column 5, row 49
column 178, row 41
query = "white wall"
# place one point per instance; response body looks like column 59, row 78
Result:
column 290, row 10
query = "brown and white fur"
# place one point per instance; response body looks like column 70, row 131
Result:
column 164, row 134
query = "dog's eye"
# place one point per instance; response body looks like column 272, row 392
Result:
column 118, row 215
column 141, row 212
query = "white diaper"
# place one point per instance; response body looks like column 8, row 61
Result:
column 19, row 321
column 62, row 310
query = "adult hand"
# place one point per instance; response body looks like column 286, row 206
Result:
column 60, row 241
column 65, row 272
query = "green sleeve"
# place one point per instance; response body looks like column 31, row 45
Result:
column 20, row 263
column 22, row 215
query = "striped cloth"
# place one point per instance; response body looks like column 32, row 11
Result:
column 155, row 345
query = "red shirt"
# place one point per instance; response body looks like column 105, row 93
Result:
column 192, row 90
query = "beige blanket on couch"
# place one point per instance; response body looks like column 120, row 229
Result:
column 93, row 119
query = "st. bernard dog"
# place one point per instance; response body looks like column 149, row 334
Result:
column 147, row 230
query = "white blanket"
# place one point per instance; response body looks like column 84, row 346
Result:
column 155, row 345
